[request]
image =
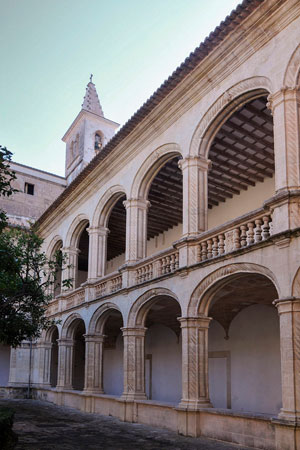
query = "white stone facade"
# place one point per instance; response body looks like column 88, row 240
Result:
column 191, row 324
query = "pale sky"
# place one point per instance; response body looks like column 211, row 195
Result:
column 49, row 48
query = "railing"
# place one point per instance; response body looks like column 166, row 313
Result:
column 110, row 284
column 160, row 265
column 235, row 237
column 74, row 298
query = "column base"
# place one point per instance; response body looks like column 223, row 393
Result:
column 289, row 416
column 131, row 397
column 194, row 405
column 93, row 391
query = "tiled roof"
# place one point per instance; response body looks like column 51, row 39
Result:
column 231, row 22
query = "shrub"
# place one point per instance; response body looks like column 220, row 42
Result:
column 8, row 438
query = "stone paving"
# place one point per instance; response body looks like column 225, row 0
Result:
column 44, row 426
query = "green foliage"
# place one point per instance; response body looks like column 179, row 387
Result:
column 27, row 276
column 8, row 439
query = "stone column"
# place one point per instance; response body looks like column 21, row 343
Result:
column 195, row 194
column 71, row 256
column 97, row 252
column 136, row 229
column 65, row 363
column 285, row 107
column 93, row 378
column 289, row 318
column 194, row 363
column 134, row 363
column 45, row 362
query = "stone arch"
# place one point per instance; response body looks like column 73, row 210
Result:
column 105, row 205
column 291, row 76
column 75, row 229
column 296, row 285
column 222, row 108
column 69, row 325
column 53, row 244
column 202, row 296
column 150, row 167
column 102, row 312
column 141, row 306
column 47, row 337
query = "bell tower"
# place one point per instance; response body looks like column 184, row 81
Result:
column 88, row 134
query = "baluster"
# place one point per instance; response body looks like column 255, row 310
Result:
column 172, row 265
column 243, row 229
column 236, row 238
column 258, row 230
column 209, row 248
column 168, row 264
column 163, row 268
column 266, row 227
column 176, row 260
column 221, row 246
column 215, row 247
column 203, row 251
column 250, row 234
column 198, row 253
column 151, row 272
column 159, row 267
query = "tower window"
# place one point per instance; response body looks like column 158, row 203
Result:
column 29, row 188
column 98, row 141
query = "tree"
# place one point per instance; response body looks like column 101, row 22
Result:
column 27, row 275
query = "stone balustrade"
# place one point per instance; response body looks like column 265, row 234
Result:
column 235, row 237
column 111, row 283
column 73, row 298
column 161, row 265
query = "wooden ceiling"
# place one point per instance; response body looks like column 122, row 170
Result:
column 242, row 154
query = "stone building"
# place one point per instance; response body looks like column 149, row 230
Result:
column 183, row 234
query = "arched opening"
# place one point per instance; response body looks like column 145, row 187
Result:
column 242, row 156
column 83, row 257
column 54, row 357
column 113, row 354
column 78, row 355
column 98, row 142
column 58, row 270
column 163, row 350
column 244, row 345
column 116, row 239
column 164, row 221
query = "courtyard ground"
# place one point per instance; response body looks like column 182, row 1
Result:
column 44, row 426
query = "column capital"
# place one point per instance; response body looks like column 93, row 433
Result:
column 70, row 250
column 194, row 322
column 100, row 231
column 285, row 93
column 137, row 203
column 195, row 161
column 287, row 305
column 134, row 331
column 94, row 337
column 67, row 342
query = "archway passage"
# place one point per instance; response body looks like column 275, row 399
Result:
column 165, row 212
column 54, row 357
column 83, row 257
column 78, row 355
column 242, row 156
column 117, row 236
column 58, row 273
column 244, row 345
column 163, row 350
column 113, row 354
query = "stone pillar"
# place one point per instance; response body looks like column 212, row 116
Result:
column 289, row 318
column 134, row 363
column 136, row 229
column 285, row 107
column 45, row 362
column 194, row 363
column 70, row 270
column 93, row 378
column 195, row 194
column 65, row 363
column 97, row 252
